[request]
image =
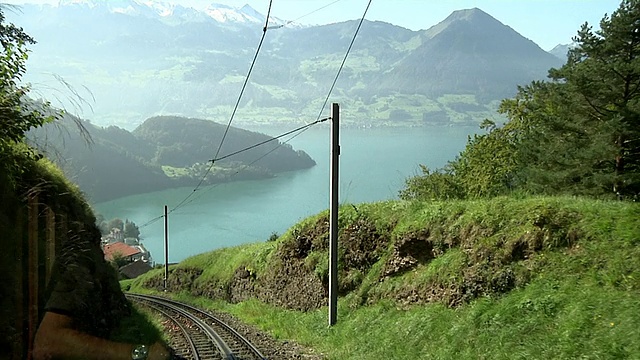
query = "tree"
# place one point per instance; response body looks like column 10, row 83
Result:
column 489, row 163
column 555, row 151
column 119, row 260
column 488, row 166
column 116, row 224
column 17, row 113
column 578, row 133
column 441, row 184
column 131, row 229
column 603, row 70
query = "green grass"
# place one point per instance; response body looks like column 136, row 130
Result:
column 575, row 291
column 221, row 264
column 549, row 319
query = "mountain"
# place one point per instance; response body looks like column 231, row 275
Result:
column 561, row 50
column 170, row 13
column 469, row 52
column 161, row 153
column 181, row 142
column 140, row 59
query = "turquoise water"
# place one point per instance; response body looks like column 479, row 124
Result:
column 373, row 166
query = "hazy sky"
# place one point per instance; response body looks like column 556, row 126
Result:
column 546, row 22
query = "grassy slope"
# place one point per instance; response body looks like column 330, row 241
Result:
column 21, row 176
column 575, row 288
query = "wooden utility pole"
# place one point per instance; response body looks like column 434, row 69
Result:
column 333, row 221
column 166, row 246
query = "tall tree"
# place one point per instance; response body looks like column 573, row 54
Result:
column 603, row 70
column 131, row 229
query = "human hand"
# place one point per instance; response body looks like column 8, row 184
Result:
column 159, row 351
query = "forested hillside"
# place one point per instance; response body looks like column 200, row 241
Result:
column 163, row 152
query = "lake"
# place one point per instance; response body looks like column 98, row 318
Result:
column 374, row 164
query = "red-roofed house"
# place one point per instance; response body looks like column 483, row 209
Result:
column 129, row 253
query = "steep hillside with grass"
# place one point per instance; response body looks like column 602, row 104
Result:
column 24, row 174
column 544, row 277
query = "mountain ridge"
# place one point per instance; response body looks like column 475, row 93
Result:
column 495, row 50
column 173, row 13
column 137, row 67
column 163, row 152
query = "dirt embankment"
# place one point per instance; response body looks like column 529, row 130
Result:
column 297, row 276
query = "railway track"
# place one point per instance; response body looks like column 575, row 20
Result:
column 198, row 334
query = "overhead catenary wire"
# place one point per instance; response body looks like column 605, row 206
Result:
column 303, row 128
column 233, row 113
column 344, row 60
column 300, row 17
column 151, row 222
column 299, row 130
column 270, row 140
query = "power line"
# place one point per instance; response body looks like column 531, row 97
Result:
column 150, row 222
column 335, row 80
column 305, row 15
column 318, row 120
column 300, row 130
column 246, row 80
column 235, row 109
column 270, row 140
column 345, row 59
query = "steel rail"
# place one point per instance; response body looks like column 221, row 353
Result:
column 205, row 321
column 210, row 339
column 185, row 332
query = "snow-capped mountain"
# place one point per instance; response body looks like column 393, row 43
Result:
column 167, row 12
column 141, row 58
column 224, row 14
column 174, row 13
column 243, row 15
